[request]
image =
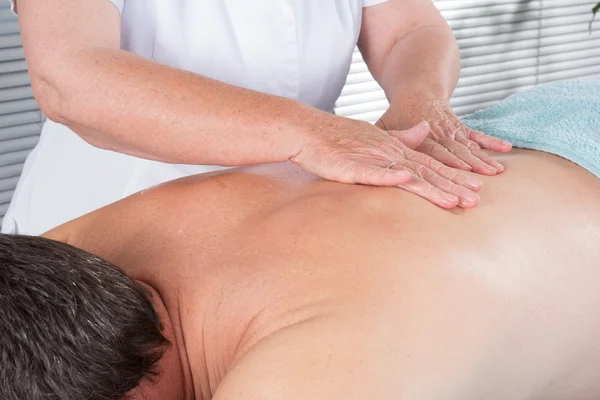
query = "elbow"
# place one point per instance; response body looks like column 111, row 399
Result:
column 58, row 103
column 49, row 98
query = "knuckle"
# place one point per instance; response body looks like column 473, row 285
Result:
column 434, row 164
column 453, row 175
column 452, row 188
column 420, row 170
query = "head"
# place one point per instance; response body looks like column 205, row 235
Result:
column 72, row 325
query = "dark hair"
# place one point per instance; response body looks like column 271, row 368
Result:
column 72, row 326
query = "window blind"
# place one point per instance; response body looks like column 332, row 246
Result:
column 506, row 46
column 20, row 118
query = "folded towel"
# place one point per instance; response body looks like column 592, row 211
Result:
column 561, row 118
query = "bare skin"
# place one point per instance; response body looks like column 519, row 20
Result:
column 82, row 79
column 274, row 284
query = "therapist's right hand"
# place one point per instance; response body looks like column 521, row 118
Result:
column 352, row 151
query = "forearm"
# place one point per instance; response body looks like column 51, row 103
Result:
column 123, row 102
column 424, row 62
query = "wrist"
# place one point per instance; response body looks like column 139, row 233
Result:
column 305, row 124
column 419, row 93
column 414, row 104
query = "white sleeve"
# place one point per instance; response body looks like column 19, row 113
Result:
column 369, row 3
column 13, row 6
column 117, row 3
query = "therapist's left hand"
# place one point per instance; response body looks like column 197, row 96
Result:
column 450, row 141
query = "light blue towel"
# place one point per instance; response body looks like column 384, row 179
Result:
column 561, row 118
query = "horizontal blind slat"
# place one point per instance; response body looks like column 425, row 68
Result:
column 12, row 66
column 518, row 54
column 14, row 79
column 370, row 106
column 12, row 53
column 17, row 145
column 16, row 93
column 357, row 88
column 8, row 184
column 350, row 100
column 569, row 73
column 10, row 107
column 13, row 40
column 497, row 76
column 498, row 67
column 10, row 171
column 21, row 118
column 13, row 132
column 544, row 44
column 491, row 30
column 6, row 14
column 494, row 86
column 9, row 27
column 6, row 196
column 14, row 158
column 3, row 210
column 471, row 108
column 371, row 116
column 484, row 96
column 505, row 37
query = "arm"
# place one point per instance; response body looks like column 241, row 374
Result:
column 410, row 49
column 120, row 101
column 412, row 53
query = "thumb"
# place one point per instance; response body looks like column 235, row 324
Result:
column 413, row 137
column 380, row 125
column 366, row 174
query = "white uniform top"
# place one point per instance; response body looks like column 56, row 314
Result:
column 300, row 49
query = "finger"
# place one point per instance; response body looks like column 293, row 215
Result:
column 468, row 143
column 482, row 155
column 413, row 137
column 457, row 177
column 466, row 197
column 443, row 131
column 367, row 174
column 440, row 153
column 489, row 142
column 429, row 192
column 462, row 152
column 488, row 159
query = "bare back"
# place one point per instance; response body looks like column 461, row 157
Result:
column 292, row 287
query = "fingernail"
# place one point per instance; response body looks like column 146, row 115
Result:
column 491, row 169
column 451, row 198
column 499, row 167
column 469, row 200
column 473, row 182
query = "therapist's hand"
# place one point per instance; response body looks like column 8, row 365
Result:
column 450, row 141
column 351, row 151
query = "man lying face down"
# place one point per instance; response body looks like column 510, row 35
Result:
column 265, row 283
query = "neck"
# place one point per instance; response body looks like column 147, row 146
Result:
column 173, row 379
